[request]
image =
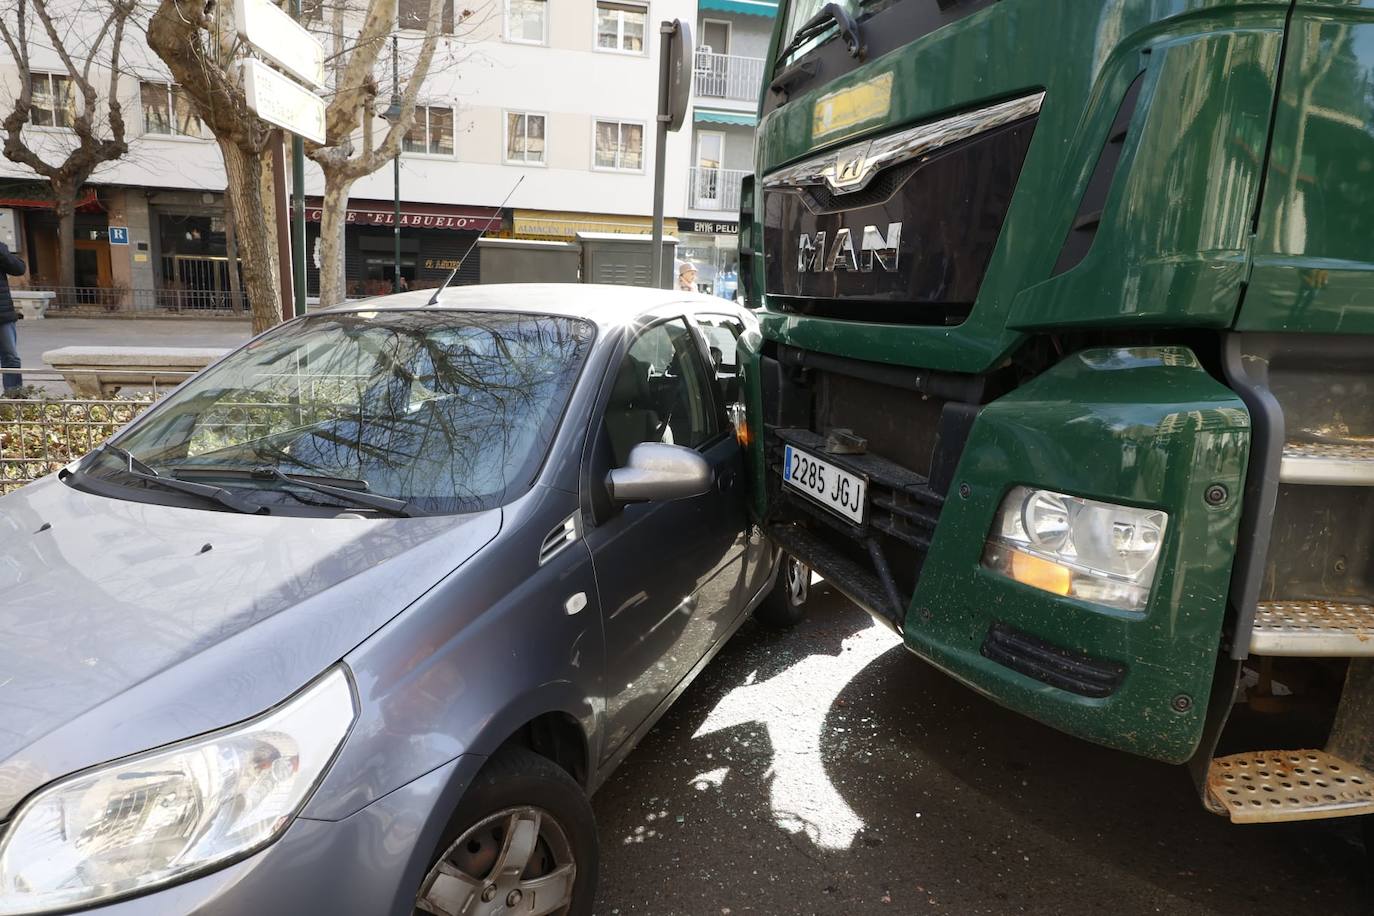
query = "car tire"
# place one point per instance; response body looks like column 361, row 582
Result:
column 524, row 827
column 785, row 605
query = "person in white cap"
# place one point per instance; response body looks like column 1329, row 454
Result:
column 687, row 277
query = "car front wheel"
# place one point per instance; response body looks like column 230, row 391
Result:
column 785, row 605
column 522, row 841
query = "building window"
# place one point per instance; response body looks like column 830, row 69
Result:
column 620, row 26
column 524, row 138
column 431, row 133
column 619, row 145
column 414, row 14
column 53, row 102
column 167, row 111
column 527, row 21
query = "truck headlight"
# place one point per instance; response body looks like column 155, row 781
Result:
column 1083, row 548
column 156, row 818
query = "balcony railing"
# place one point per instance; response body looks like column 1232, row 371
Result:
column 714, row 189
column 725, row 76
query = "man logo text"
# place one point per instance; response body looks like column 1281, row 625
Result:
column 874, row 248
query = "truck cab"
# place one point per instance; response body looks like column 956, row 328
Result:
column 1067, row 316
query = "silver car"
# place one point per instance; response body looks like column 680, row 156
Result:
column 354, row 621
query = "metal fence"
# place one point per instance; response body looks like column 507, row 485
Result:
column 715, row 189
column 192, row 287
column 38, row 437
column 726, row 76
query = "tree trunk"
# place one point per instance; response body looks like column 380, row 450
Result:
column 333, row 220
column 247, row 176
column 231, row 251
column 65, row 195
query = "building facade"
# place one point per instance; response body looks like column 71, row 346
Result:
column 561, row 95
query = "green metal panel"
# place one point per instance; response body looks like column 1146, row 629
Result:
column 1143, row 427
column 1173, row 243
column 1211, row 66
column 1314, row 254
column 749, row 351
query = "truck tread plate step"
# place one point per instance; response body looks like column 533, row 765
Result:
column 854, row 581
column 1313, row 628
column 1272, row 786
column 1329, row 463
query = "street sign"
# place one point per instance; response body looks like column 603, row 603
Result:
column 681, row 70
column 282, row 101
column 119, row 235
column 281, row 39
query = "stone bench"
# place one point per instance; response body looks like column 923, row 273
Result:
column 99, row 372
column 32, row 303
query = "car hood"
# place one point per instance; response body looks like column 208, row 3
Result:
column 125, row 625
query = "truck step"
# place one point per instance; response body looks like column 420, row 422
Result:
column 1266, row 787
column 1313, row 628
column 1328, row 463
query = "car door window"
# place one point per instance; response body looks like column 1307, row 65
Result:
column 722, row 333
column 722, row 336
column 661, row 393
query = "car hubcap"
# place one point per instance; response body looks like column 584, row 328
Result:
column 516, row 861
column 798, row 580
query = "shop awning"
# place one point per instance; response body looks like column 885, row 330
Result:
column 35, row 196
column 554, row 224
column 711, row 116
column 767, row 8
column 363, row 212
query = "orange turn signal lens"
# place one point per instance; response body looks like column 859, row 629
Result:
column 1039, row 573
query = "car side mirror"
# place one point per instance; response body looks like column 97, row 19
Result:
column 657, row 471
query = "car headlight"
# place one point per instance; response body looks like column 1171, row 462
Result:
column 158, row 817
column 1083, row 548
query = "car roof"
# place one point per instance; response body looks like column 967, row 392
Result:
column 602, row 304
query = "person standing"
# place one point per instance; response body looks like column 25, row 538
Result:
column 687, row 277
column 10, row 266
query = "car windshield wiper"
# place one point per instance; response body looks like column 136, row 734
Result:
column 138, row 469
column 830, row 14
column 353, row 491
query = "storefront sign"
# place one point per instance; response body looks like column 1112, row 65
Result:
column 119, row 235
column 441, row 263
column 413, row 216
column 706, row 226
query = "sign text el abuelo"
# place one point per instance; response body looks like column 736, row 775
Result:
column 380, row 217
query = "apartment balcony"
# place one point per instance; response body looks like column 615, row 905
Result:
column 725, row 76
column 714, row 189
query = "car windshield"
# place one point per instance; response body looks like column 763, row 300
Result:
column 445, row 411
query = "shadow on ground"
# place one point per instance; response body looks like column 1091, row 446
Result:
column 828, row 771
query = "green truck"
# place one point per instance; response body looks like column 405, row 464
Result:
column 1067, row 363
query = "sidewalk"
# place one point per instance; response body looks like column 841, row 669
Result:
column 36, row 337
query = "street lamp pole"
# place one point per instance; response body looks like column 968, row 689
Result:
column 298, row 217
column 396, row 172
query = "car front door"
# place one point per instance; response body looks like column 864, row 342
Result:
column 667, row 570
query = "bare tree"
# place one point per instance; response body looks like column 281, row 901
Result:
column 75, row 104
column 350, row 151
column 197, row 41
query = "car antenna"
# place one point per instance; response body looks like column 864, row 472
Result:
column 434, row 300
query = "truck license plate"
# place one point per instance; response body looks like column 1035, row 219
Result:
column 839, row 491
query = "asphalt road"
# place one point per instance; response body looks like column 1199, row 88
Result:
column 828, row 771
